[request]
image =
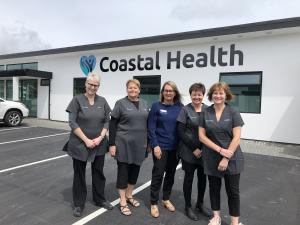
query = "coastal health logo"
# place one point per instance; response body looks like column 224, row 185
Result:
column 87, row 64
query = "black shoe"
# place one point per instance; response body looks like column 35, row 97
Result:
column 201, row 209
column 105, row 205
column 77, row 211
column 190, row 214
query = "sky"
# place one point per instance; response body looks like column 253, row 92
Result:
column 46, row 24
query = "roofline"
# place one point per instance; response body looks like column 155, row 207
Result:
column 235, row 29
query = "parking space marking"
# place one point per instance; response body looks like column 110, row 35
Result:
column 16, row 128
column 33, row 163
column 100, row 211
column 27, row 139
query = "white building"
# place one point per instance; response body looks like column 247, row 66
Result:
column 260, row 61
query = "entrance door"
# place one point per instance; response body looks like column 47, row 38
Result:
column 28, row 95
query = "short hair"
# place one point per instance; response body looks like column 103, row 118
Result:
column 197, row 87
column 220, row 86
column 135, row 81
column 177, row 97
column 93, row 77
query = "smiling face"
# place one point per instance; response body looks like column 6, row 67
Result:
column 91, row 87
column 219, row 96
column 133, row 90
column 168, row 94
column 197, row 97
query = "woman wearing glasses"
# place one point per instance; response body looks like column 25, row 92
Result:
column 162, row 135
column 88, row 119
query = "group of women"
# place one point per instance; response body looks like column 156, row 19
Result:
column 205, row 138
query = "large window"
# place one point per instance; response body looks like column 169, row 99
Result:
column 79, row 86
column 2, row 67
column 150, row 88
column 14, row 67
column 246, row 86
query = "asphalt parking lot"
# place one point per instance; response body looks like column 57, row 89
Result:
column 36, row 179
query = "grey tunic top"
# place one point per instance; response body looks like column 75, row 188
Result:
column 131, row 136
column 190, row 118
column 220, row 132
column 91, row 119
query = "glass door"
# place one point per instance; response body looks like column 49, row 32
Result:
column 28, row 95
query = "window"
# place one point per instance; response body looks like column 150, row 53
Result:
column 79, row 86
column 14, row 67
column 31, row 66
column 2, row 67
column 150, row 88
column 1, row 88
column 246, row 86
column 9, row 91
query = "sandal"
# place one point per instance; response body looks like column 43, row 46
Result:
column 124, row 209
column 133, row 202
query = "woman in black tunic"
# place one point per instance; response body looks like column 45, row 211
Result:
column 190, row 149
column 128, row 142
column 220, row 132
column 88, row 119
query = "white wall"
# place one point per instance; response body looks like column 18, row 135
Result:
column 276, row 55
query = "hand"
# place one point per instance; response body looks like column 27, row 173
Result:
column 157, row 152
column 112, row 150
column 226, row 153
column 89, row 143
column 97, row 140
column 197, row 153
column 223, row 164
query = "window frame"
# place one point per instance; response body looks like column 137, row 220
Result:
column 259, row 73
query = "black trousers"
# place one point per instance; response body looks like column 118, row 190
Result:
column 189, row 170
column 79, row 184
column 166, row 164
column 232, row 183
column 127, row 174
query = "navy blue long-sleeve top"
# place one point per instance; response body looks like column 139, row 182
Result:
column 162, row 125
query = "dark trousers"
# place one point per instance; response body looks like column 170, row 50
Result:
column 232, row 189
column 127, row 174
column 166, row 164
column 189, row 170
column 79, row 184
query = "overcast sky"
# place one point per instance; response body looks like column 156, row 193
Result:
column 43, row 24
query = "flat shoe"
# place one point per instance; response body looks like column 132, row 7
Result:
column 168, row 205
column 154, row 211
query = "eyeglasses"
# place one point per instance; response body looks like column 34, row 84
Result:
column 93, row 85
column 168, row 91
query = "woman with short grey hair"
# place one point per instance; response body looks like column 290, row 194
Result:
column 88, row 119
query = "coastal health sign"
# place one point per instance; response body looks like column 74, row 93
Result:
column 216, row 56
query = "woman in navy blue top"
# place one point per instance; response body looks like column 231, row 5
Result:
column 162, row 136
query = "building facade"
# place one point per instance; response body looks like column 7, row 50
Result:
column 259, row 61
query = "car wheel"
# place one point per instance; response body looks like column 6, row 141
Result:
column 13, row 118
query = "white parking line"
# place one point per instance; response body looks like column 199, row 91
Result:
column 100, row 211
column 16, row 128
column 27, row 139
column 33, row 163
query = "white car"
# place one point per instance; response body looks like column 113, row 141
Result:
column 12, row 113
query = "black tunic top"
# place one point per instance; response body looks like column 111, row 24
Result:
column 220, row 132
column 91, row 120
column 189, row 138
column 131, row 133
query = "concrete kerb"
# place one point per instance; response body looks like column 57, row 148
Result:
column 291, row 151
